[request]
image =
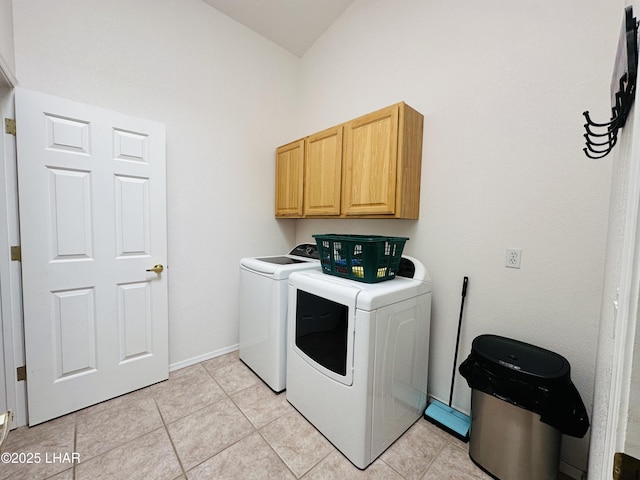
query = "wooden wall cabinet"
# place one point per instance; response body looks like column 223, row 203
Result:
column 289, row 179
column 323, row 173
column 366, row 168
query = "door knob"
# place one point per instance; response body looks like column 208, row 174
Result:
column 159, row 268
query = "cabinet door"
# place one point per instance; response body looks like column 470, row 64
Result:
column 323, row 172
column 370, row 161
column 289, row 179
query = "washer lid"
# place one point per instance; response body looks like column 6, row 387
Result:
column 278, row 266
column 290, row 260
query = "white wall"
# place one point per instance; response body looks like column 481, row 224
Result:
column 227, row 97
column 502, row 86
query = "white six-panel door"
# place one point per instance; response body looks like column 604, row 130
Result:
column 93, row 221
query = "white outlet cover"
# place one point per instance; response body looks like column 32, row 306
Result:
column 513, row 258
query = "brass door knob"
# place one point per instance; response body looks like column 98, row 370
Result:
column 159, row 268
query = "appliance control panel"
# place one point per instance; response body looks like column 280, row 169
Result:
column 307, row 250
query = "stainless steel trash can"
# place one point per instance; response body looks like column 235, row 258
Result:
column 522, row 401
column 510, row 442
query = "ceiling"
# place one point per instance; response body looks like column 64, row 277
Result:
column 293, row 24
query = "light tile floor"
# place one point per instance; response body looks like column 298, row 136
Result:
column 215, row 420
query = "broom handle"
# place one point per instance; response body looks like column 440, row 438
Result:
column 455, row 356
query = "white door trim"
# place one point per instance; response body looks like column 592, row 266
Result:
column 6, row 76
column 12, row 333
column 616, row 341
column 625, row 328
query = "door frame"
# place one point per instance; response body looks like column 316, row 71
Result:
column 7, row 78
column 623, row 349
column 11, row 326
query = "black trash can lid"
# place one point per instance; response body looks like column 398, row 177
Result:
column 521, row 359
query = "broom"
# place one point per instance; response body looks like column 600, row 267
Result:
column 441, row 415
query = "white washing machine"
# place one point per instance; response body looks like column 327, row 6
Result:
column 358, row 356
column 263, row 311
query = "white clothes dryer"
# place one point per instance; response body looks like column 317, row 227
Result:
column 263, row 311
column 358, row 357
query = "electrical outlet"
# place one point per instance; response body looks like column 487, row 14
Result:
column 513, row 258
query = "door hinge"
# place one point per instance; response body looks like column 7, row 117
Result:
column 21, row 373
column 10, row 126
column 625, row 467
column 16, row 253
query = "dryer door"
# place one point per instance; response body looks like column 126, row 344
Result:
column 323, row 329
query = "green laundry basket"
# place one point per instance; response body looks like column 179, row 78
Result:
column 364, row 258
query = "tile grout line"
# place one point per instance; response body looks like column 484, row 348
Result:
column 276, row 453
column 226, row 447
column 117, row 407
column 74, row 473
column 330, row 452
column 166, row 429
column 119, row 445
column 435, row 457
column 258, row 430
column 280, row 458
column 255, row 429
column 73, row 467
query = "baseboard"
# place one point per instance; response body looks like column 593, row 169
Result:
column 572, row 471
column 201, row 358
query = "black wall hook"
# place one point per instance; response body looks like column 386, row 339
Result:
column 623, row 92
